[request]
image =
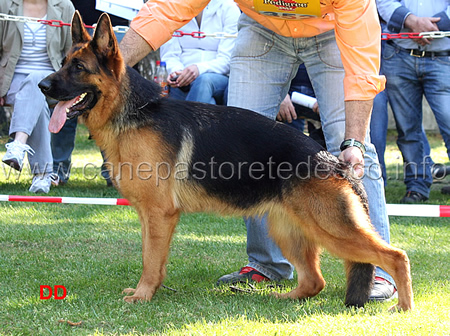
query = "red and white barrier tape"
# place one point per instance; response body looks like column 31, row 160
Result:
column 411, row 210
column 65, row 200
column 418, row 210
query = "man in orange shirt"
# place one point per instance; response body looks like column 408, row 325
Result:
column 339, row 43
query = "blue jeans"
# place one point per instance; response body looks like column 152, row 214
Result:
column 31, row 115
column 378, row 131
column 378, row 128
column 63, row 144
column 262, row 67
column 209, row 88
column 409, row 78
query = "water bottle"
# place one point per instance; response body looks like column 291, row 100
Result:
column 161, row 79
column 155, row 74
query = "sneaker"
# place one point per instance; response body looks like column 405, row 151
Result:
column 439, row 171
column 246, row 274
column 15, row 153
column 41, row 183
column 412, row 197
column 55, row 180
column 445, row 190
column 382, row 290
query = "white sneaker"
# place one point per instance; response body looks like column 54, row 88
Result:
column 15, row 154
column 41, row 183
column 55, row 179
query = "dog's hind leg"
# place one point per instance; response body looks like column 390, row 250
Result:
column 157, row 225
column 342, row 226
column 367, row 248
column 302, row 253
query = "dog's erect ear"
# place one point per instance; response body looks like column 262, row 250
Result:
column 104, row 38
column 79, row 32
column 105, row 45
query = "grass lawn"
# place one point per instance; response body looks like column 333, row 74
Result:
column 95, row 252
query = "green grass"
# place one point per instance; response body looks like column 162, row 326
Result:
column 95, row 252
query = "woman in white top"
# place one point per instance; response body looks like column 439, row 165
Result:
column 202, row 64
column 29, row 51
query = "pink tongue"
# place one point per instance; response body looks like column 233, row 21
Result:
column 59, row 115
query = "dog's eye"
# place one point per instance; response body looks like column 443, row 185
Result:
column 76, row 64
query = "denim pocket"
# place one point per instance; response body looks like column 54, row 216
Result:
column 253, row 39
column 328, row 50
column 388, row 51
column 444, row 60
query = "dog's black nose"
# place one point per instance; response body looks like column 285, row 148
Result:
column 45, row 85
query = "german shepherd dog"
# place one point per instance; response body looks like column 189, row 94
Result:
column 204, row 158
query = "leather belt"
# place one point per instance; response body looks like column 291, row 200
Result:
column 420, row 53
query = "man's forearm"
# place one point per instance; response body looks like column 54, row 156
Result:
column 134, row 47
column 357, row 118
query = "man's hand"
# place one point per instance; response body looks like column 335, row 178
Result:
column 418, row 24
column 188, row 75
column 2, row 101
column 315, row 108
column 172, row 79
column 287, row 110
column 354, row 156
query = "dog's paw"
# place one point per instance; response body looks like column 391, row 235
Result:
column 296, row 294
column 398, row 308
column 284, row 296
column 137, row 298
column 140, row 294
column 133, row 299
column 128, row 291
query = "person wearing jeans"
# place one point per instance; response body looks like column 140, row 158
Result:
column 339, row 43
column 417, row 68
column 249, row 63
column 29, row 51
column 208, row 87
column 31, row 116
column 198, row 68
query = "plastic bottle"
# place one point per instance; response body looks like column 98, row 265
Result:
column 162, row 79
column 155, row 75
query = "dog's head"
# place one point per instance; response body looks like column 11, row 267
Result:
column 90, row 74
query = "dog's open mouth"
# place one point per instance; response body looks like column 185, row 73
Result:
column 69, row 109
column 80, row 104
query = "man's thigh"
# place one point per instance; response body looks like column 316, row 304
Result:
column 262, row 66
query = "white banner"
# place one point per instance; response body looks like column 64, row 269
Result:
column 126, row 9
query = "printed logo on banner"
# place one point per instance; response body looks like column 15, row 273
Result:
column 288, row 9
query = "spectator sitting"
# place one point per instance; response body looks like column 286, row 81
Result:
column 202, row 65
column 31, row 51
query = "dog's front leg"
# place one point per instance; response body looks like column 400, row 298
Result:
column 157, row 227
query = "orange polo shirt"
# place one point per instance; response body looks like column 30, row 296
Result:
column 356, row 25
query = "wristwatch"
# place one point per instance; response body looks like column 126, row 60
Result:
column 353, row 143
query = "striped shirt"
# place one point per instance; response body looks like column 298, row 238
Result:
column 34, row 52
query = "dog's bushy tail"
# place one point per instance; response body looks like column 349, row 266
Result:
column 359, row 283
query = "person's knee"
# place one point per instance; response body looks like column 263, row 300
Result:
column 204, row 79
column 36, row 76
